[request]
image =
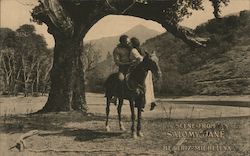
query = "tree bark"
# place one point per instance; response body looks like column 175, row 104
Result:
column 67, row 77
column 37, row 77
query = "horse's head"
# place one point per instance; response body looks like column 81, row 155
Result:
column 152, row 63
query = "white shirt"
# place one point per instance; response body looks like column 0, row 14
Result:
column 134, row 55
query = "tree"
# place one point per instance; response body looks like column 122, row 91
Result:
column 8, row 61
column 31, row 49
column 96, row 76
column 90, row 57
column 69, row 21
column 110, row 60
column 21, row 58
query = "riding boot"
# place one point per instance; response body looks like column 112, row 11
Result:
column 153, row 105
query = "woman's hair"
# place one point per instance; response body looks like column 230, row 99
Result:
column 135, row 42
column 137, row 45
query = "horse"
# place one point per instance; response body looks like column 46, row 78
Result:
column 133, row 90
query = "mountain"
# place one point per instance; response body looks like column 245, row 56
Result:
column 107, row 44
column 222, row 68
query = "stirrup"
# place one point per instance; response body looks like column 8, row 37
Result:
column 153, row 105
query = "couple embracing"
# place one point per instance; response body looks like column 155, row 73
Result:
column 127, row 54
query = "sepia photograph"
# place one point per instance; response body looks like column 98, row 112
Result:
column 125, row 77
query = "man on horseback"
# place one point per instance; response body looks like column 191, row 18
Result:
column 121, row 56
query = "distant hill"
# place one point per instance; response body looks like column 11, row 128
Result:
column 107, row 44
column 222, row 68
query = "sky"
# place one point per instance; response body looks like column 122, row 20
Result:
column 14, row 13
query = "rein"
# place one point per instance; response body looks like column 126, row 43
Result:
column 138, row 85
column 133, row 89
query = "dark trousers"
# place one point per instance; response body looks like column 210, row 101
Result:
column 120, row 88
column 124, row 69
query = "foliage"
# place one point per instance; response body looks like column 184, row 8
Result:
column 73, row 18
column 90, row 56
column 96, row 77
column 25, row 61
column 183, row 66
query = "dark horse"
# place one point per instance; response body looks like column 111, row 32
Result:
column 133, row 90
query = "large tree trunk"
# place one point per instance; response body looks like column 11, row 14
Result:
column 67, row 77
column 37, row 77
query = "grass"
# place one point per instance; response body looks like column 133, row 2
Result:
column 77, row 131
column 74, row 130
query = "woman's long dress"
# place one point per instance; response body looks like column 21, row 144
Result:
column 149, row 95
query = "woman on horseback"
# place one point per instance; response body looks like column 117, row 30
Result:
column 137, row 55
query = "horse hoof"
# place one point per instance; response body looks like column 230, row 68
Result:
column 107, row 128
column 122, row 128
column 140, row 134
column 134, row 135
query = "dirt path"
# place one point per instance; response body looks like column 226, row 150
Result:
column 73, row 131
column 183, row 107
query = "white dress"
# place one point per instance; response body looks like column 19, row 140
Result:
column 149, row 94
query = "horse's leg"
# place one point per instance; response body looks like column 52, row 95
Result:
column 139, row 133
column 119, row 110
column 107, row 113
column 132, row 108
